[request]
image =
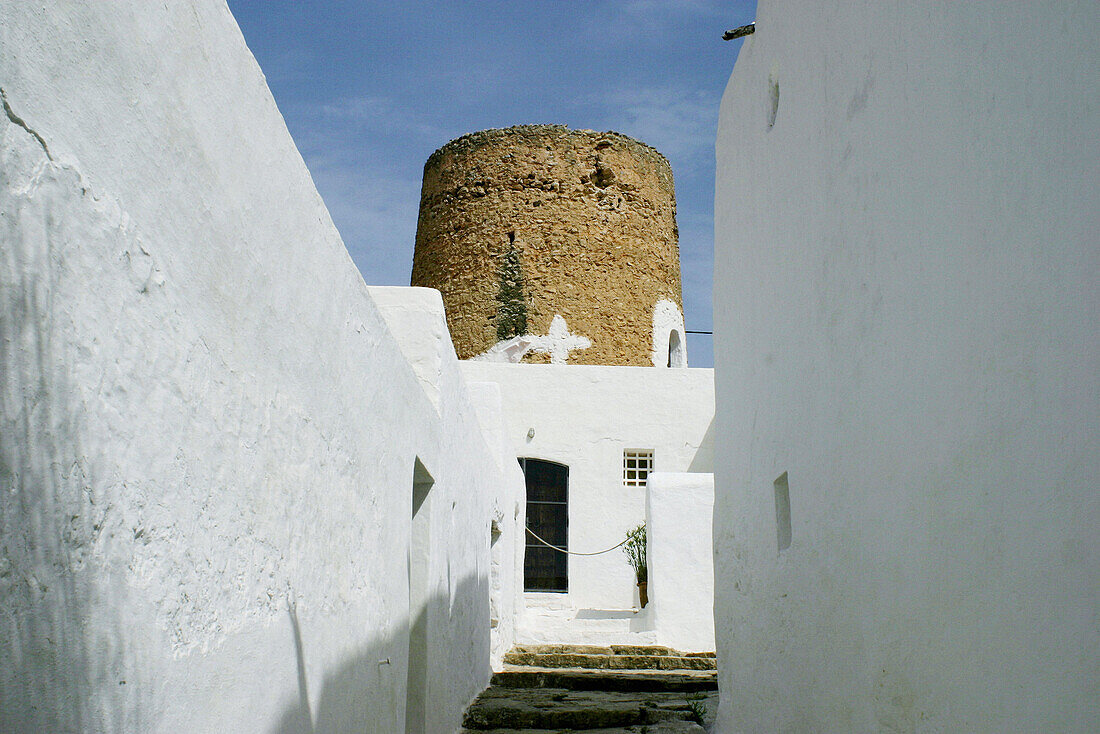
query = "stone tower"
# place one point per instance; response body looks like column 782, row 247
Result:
column 553, row 245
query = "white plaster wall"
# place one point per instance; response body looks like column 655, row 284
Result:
column 667, row 318
column 906, row 307
column 208, row 432
column 463, row 644
column 508, row 516
column 679, row 555
column 412, row 317
column 585, row 416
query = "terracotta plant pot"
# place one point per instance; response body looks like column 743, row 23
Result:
column 643, row 593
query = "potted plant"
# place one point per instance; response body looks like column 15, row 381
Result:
column 635, row 548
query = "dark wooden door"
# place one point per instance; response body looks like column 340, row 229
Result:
column 546, row 569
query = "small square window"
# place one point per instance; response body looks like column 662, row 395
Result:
column 637, row 464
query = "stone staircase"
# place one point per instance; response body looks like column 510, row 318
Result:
column 550, row 689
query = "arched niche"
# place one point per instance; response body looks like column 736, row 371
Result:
column 676, row 351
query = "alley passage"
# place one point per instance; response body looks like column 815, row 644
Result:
column 550, row 689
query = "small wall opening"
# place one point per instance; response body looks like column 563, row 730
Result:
column 637, row 466
column 496, row 560
column 676, row 349
column 420, row 547
column 773, row 100
column 782, row 512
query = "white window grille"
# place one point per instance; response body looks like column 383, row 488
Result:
column 637, row 464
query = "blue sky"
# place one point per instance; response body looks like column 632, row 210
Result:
column 369, row 90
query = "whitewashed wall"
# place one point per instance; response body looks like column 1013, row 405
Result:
column 679, row 514
column 207, row 432
column 585, row 416
column 906, row 305
column 508, row 518
column 417, row 319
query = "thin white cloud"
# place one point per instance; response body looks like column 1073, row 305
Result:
column 678, row 122
column 289, row 66
column 649, row 8
column 376, row 215
column 355, row 148
column 381, row 115
column 372, row 205
column 637, row 20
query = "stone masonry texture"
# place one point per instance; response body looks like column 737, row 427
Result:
column 592, row 216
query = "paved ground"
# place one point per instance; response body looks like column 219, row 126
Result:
column 548, row 692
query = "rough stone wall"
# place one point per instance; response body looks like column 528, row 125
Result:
column 592, row 217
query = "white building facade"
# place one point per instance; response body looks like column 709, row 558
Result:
column 908, row 369
column 602, row 430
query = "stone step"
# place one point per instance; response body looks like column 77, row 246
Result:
column 577, row 679
column 657, row 650
column 664, row 727
column 603, row 661
column 557, row 709
column 562, row 649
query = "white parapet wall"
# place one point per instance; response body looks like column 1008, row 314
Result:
column 417, row 320
column 679, row 513
column 210, row 440
column 907, row 361
column 505, row 526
